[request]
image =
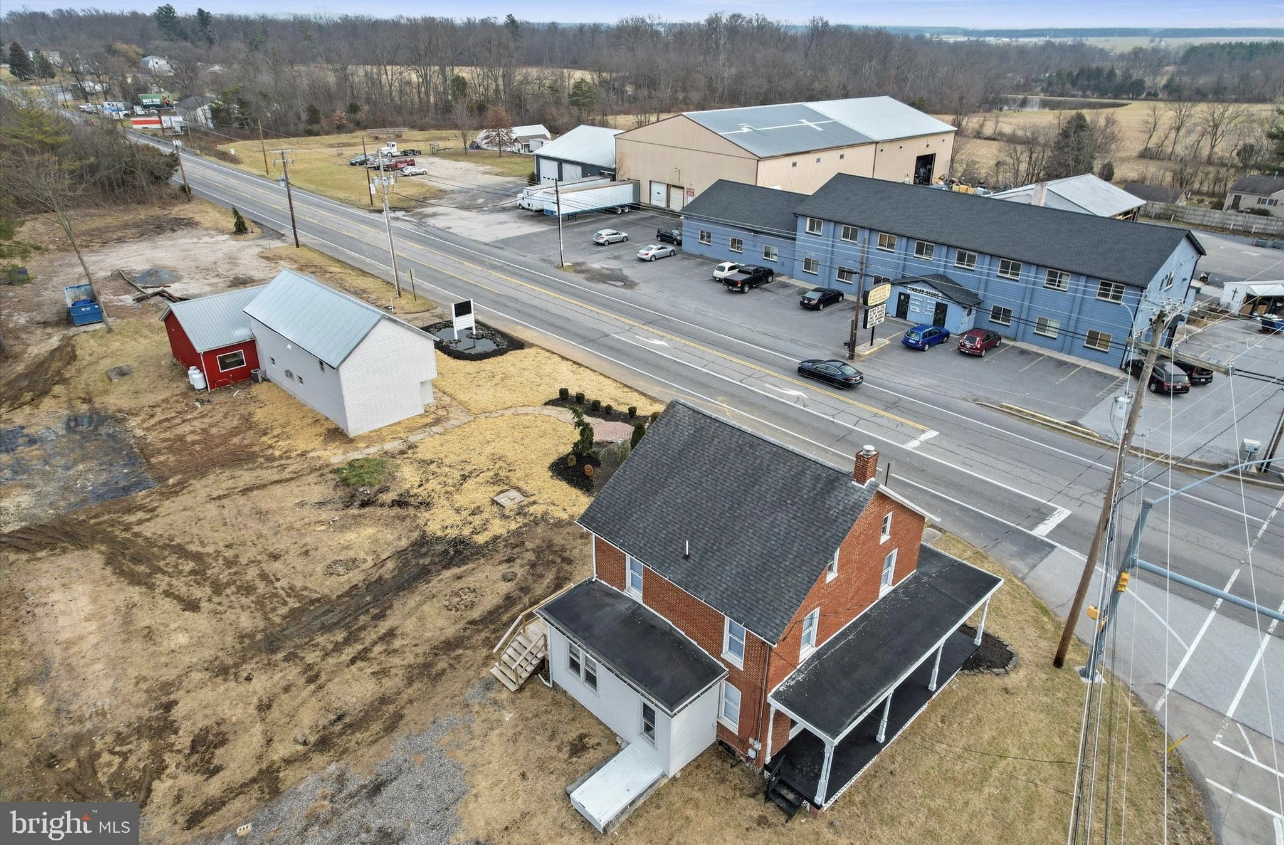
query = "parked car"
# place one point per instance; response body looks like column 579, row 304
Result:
column 1197, row 374
column 416, row 170
column 925, row 336
column 602, row 237
column 818, row 298
column 669, row 236
column 359, row 159
column 651, row 252
column 1272, row 323
column 833, row 371
column 88, row 108
column 726, row 268
column 748, row 276
column 976, row 341
column 1166, row 377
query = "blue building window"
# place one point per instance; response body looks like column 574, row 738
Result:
column 1009, row 269
column 1001, row 315
column 965, row 260
column 1099, row 341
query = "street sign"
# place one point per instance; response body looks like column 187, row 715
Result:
column 463, row 317
column 874, row 315
column 878, row 294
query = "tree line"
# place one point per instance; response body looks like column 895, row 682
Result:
column 315, row 74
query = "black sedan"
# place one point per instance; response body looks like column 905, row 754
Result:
column 818, row 298
column 833, row 371
column 1196, row 373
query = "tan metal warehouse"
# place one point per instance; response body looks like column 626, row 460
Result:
column 793, row 146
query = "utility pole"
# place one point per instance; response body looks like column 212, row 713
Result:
column 557, row 192
column 1157, row 325
column 1275, row 445
column 365, row 165
column 289, row 196
column 387, row 219
column 178, row 151
column 860, row 303
column 263, row 146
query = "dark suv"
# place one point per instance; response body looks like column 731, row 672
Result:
column 669, row 236
column 748, row 277
column 1166, row 377
column 1197, row 374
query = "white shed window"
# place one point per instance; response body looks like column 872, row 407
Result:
column 590, row 672
column 574, row 658
column 733, row 643
column 231, row 360
column 887, row 529
column 634, row 583
column 810, row 623
column 889, row 572
column 648, row 723
column 729, row 713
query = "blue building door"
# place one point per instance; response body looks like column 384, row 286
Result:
column 939, row 314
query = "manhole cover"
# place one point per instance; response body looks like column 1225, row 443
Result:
column 509, row 498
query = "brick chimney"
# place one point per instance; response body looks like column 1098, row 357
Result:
column 866, row 465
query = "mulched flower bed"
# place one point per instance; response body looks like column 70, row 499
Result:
column 994, row 657
column 574, row 475
column 616, row 415
column 477, row 345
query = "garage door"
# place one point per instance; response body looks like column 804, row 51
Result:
column 547, row 171
column 659, row 192
column 676, row 197
column 571, row 171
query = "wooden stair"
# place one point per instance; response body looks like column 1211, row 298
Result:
column 523, row 655
column 780, row 793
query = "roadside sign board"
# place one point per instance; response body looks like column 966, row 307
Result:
column 878, row 294
column 874, row 315
column 463, row 317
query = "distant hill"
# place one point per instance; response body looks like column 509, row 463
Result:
column 1094, row 32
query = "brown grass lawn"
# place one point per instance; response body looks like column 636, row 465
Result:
column 985, row 763
column 321, row 164
column 1131, row 118
column 350, row 280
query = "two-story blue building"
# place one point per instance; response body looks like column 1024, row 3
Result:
column 1073, row 283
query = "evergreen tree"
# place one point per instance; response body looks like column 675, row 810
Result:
column 204, row 27
column 239, row 226
column 168, row 23
column 20, row 62
column 41, row 67
column 583, row 95
column 1074, row 149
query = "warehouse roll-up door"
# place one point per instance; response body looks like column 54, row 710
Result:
column 547, row 171
column 571, row 171
column 676, row 197
column 658, row 193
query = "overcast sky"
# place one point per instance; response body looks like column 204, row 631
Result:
column 1016, row 14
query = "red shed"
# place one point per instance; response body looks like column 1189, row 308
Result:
column 213, row 334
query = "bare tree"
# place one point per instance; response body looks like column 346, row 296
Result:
column 499, row 129
column 1156, row 126
column 1024, row 159
column 462, row 118
column 1216, row 120
column 1182, row 114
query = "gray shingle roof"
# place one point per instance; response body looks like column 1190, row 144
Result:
column 213, row 322
column 752, row 207
column 1257, row 183
column 763, row 520
column 856, row 667
column 949, row 288
column 322, row 321
column 635, row 642
column 584, row 145
column 1099, row 247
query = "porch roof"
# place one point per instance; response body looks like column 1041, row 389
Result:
column 635, row 642
column 857, row 667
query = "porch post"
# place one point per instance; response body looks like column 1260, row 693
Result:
column 980, row 629
column 822, row 789
column 882, row 724
column 771, row 724
column 936, row 669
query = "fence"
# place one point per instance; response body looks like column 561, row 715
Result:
column 1230, row 221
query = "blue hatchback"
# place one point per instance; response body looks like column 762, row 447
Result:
column 925, row 335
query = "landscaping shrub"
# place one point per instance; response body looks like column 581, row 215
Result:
column 583, row 445
column 563, row 393
column 639, row 429
column 239, row 226
column 633, row 411
column 595, row 405
column 608, row 410
column 579, row 398
column 570, row 460
column 589, row 469
column 362, row 472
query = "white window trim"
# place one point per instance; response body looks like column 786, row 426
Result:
column 1062, row 280
column 970, row 265
column 727, row 655
column 886, row 529
column 1112, row 286
column 722, row 700
column 855, row 231
column 1051, row 330
column 883, row 585
column 925, row 250
column 705, row 236
column 815, row 262
column 820, row 225
column 731, row 245
column 831, row 571
column 584, row 676
column 1001, row 308
column 878, row 243
column 1011, row 263
column 806, row 650
column 575, row 653
column 642, row 723
column 219, row 360
column 1087, row 341
column 775, row 253
column 629, row 589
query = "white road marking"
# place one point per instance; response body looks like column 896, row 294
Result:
column 787, row 390
column 1043, row 529
column 1250, row 802
column 654, row 340
column 1270, row 630
column 1247, row 744
column 1247, row 759
column 918, row 441
column 1181, row 667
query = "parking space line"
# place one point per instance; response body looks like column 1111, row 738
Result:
column 1072, row 372
column 1249, row 801
column 1181, row 667
column 1110, row 388
column 996, row 353
column 1032, row 363
column 1247, row 744
column 1246, row 758
column 1270, row 630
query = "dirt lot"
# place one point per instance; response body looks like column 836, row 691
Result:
column 228, row 618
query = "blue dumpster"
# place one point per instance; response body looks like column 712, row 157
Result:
column 81, row 305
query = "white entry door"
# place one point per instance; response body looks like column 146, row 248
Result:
column 677, row 197
column 658, row 193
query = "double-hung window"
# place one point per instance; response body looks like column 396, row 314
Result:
column 886, row 242
column 889, row 572
column 574, row 659
column 633, row 584
column 964, row 259
column 648, row 723
column 810, row 623
column 814, row 225
column 1110, row 291
column 1009, row 269
column 729, row 712
column 1056, row 280
column 831, row 571
column 924, row 250
column 886, row 533
column 733, row 643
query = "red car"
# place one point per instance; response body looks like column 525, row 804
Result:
column 976, row 341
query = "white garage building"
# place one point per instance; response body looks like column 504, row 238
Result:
column 357, row 365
